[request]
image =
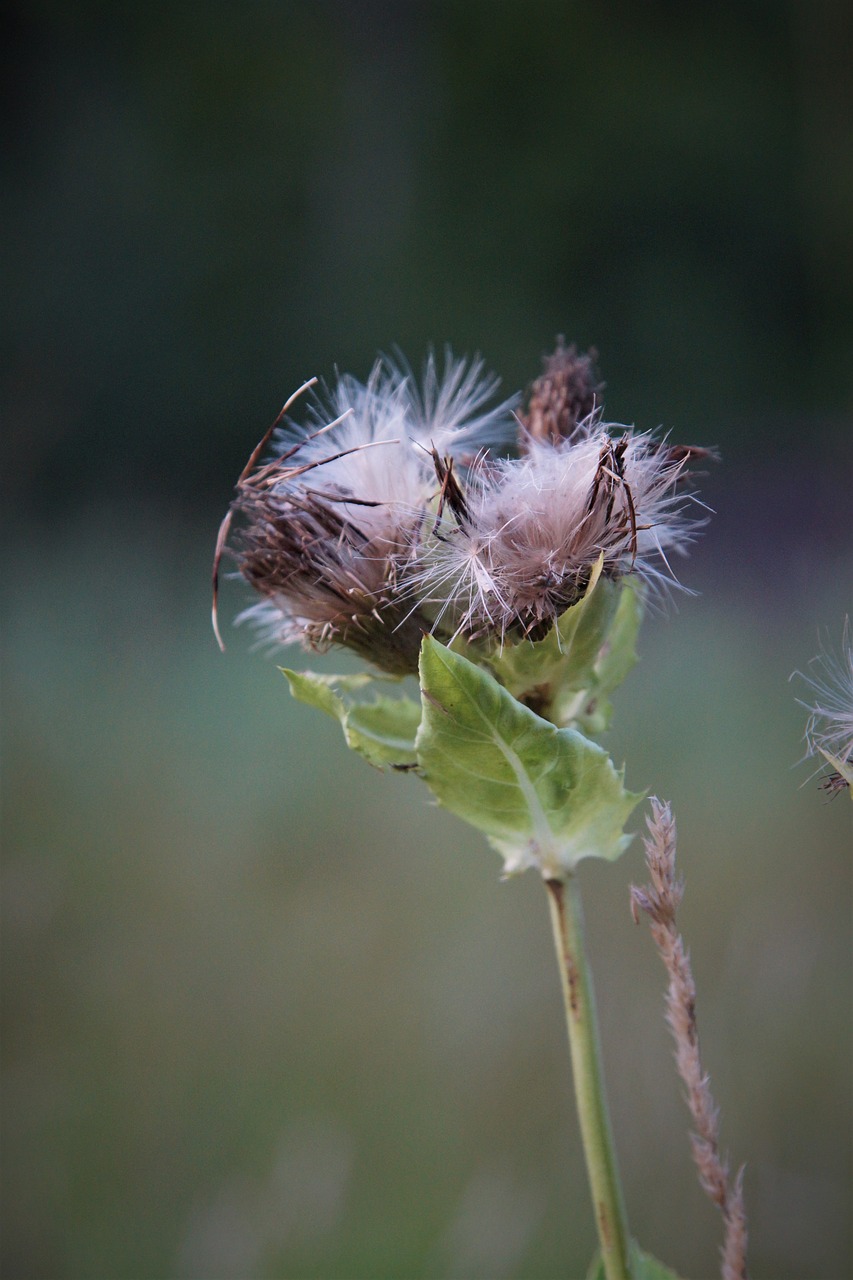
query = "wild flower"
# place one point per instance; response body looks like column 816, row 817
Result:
column 389, row 514
column 517, row 550
column 829, row 729
column 330, row 521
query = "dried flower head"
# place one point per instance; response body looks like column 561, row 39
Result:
column 518, row 551
column 388, row 513
column 829, row 730
column 331, row 520
column 567, row 394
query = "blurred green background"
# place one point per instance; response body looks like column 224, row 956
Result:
column 267, row 1012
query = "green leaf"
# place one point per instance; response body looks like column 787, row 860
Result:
column 590, row 711
column 564, row 658
column 619, row 654
column 545, row 797
column 568, row 675
column 383, row 731
column 315, row 691
column 643, row 1267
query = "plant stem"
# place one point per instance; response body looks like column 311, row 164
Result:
column 567, row 920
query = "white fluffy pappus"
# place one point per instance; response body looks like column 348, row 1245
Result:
column 520, row 552
column 334, row 514
column 829, row 729
column 378, row 449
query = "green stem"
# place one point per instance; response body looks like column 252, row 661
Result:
column 567, row 920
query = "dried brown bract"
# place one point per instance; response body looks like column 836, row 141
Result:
column 566, row 394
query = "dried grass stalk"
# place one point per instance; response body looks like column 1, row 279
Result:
column 660, row 900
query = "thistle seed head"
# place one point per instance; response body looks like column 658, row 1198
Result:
column 533, row 528
column 388, row 513
column 330, row 521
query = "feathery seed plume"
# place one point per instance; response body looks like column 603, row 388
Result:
column 521, row 551
column 389, row 513
column 829, row 730
column 331, row 520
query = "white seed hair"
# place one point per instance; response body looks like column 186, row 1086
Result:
column 339, row 506
column 404, row 421
column 388, row 510
column 829, row 730
column 534, row 528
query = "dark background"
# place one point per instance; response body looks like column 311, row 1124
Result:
column 267, row 1012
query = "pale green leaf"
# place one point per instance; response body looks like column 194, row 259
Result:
column 383, row 731
column 643, row 1267
column 590, row 710
column 568, row 675
column 619, row 654
column 564, row 658
column 316, row 691
column 546, row 797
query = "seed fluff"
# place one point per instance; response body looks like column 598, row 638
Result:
column 520, row 551
column 329, row 522
column 829, row 729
